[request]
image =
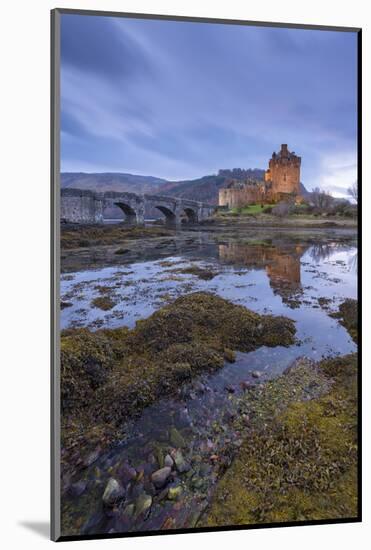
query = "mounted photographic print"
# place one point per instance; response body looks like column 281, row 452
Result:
column 205, row 207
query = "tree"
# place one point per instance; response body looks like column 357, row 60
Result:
column 353, row 191
column 321, row 199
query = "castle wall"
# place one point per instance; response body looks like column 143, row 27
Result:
column 237, row 198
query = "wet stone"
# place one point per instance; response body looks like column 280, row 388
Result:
column 113, row 492
column 168, row 461
column 142, row 504
column 256, row 373
column 160, row 476
column 180, row 463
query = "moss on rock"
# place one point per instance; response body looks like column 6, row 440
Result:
column 105, row 303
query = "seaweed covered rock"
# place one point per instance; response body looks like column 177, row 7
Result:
column 348, row 312
column 86, row 360
column 206, row 318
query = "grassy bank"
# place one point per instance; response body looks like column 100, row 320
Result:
column 256, row 217
column 299, row 459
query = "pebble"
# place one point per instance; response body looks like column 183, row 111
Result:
column 160, row 476
column 256, row 373
column 113, row 492
column 180, row 463
column 168, row 461
column 143, row 504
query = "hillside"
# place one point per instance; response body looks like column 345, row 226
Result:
column 111, row 181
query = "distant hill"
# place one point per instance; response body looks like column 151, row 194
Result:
column 206, row 189
column 111, row 181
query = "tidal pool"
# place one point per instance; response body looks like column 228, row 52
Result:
column 302, row 278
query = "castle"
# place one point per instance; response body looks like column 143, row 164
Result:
column 281, row 182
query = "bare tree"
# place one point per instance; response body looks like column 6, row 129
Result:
column 321, row 199
column 353, row 191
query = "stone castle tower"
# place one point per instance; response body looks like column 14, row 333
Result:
column 283, row 174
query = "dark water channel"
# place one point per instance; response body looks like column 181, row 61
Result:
column 304, row 277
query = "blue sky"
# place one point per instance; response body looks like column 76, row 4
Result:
column 180, row 100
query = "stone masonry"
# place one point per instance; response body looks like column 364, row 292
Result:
column 84, row 206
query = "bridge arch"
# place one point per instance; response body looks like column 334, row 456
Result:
column 169, row 214
column 130, row 213
column 191, row 214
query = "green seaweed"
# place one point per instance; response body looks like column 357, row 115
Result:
column 104, row 303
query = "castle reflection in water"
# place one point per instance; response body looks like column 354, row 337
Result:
column 281, row 263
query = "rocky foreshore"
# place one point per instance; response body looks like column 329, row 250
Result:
column 113, row 374
column 300, row 459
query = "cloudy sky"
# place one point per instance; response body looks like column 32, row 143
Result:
column 181, row 100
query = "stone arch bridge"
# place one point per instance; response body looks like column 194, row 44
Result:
column 85, row 206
